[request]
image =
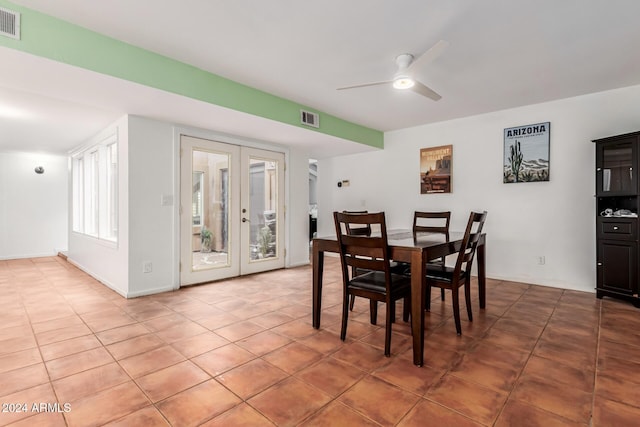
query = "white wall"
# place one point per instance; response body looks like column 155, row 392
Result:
column 298, row 208
column 33, row 207
column 152, row 235
column 106, row 261
column 554, row 219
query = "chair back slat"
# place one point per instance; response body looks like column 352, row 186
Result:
column 362, row 251
column 357, row 228
column 438, row 222
column 469, row 243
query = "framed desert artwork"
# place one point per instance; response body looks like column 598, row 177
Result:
column 435, row 169
column 526, row 153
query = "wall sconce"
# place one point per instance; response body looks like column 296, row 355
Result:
column 39, row 170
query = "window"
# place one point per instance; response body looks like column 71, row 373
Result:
column 95, row 190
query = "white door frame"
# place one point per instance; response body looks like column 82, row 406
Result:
column 282, row 191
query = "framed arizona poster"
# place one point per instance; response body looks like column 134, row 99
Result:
column 526, row 153
column 435, row 169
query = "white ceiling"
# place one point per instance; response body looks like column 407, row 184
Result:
column 502, row 54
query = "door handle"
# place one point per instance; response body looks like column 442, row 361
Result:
column 245, row 220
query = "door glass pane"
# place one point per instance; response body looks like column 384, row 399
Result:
column 263, row 209
column 617, row 172
column 209, row 210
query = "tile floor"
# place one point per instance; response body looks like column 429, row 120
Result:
column 243, row 352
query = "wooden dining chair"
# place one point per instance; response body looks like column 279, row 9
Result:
column 453, row 278
column 356, row 230
column 378, row 284
column 432, row 222
column 429, row 222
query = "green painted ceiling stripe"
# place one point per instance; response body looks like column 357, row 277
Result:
column 49, row 37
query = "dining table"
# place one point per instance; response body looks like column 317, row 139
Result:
column 416, row 249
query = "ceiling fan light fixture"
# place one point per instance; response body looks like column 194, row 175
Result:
column 403, row 82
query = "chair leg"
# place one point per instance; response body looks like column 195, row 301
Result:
column 353, row 300
column 427, row 298
column 373, row 311
column 406, row 308
column 345, row 316
column 387, row 332
column 467, row 299
column 442, row 294
column 392, row 309
column 456, row 309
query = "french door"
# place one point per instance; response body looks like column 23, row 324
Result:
column 231, row 210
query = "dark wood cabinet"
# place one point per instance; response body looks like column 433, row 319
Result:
column 617, row 198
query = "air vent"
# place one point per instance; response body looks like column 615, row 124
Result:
column 9, row 23
column 310, row 119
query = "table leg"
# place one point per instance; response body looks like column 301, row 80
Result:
column 318, row 265
column 482, row 275
column 418, row 279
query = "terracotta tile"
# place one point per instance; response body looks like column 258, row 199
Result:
column 19, row 359
column 107, row 319
column 519, row 326
column 169, row 381
column 134, row 346
column 404, row 374
column 289, row 402
column 23, row 378
column 331, row 376
column 293, row 357
column 239, row 330
column 580, row 378
column 361, row 355
column 147, row 417
column 296, row 329
column 477, row 402
column 618, row 389
column 620, row 368
column 251, row 378
column 366, row 396
column 180, row 331
column 78, row 362
column 222, row 359
column 436, row 415
column 241, row 415
column 62, row 334
column 106, row 406
column 566, row 401
column 567, row 353
column 121, row 333
column 63, row 322
column 515, row 412
column 13, row 345
column 270, row 320
column 338, row 414
column 615, row 349
column 263, row 342
column 25, row 398
column 217, row 321
column 89, row 382
column 474, row 369
column 199, row 344
column 165, row 322
column 151, row 361
column 68, row 347
column 198, row 404
column 507, row 358
column 510, row 339
column 608, row 413
column 42, row 419
column 323, row 342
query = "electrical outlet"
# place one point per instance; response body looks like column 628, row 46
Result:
column 541, row 260
column 147, row 267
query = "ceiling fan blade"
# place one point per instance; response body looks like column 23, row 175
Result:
column 435, row 51
column 425, row 91
column 366, row 84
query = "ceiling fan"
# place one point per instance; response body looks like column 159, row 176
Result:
column 407, row 64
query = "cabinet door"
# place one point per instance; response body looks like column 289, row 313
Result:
column 617, row 266
column 616, row 172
